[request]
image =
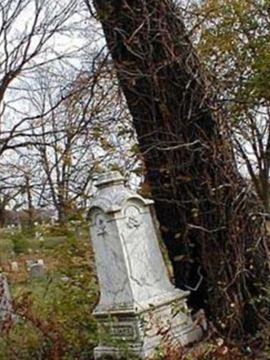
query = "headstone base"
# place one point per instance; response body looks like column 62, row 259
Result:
column 127, row 332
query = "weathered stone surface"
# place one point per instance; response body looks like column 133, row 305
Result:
column 137, row 301
column 36, row 270
column 29, row 263
column 5, row 301
column 41, row 262
column 14, row 266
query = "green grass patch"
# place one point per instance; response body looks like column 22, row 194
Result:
column 54, row 312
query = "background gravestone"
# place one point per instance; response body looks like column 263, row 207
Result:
column 14, row 266
column 29, row 263
column 41, row 262
column 36, row 270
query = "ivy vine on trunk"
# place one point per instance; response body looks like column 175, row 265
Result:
column 209, row 219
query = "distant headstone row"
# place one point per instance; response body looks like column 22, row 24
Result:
column 17, row 218
column 36, row 268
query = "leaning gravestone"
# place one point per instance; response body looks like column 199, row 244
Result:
column 5, row 302
column 137, row 301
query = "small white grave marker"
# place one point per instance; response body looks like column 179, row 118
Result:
column 14, row 266
column 41, row 262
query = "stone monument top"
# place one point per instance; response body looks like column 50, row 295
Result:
column 112, row 193
column 108, row 179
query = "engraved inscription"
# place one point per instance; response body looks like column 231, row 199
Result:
column 100, row 224
column 132, row 214
column 121, row 329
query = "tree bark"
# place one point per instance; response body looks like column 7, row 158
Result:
column 30, row 210
column 2, row 215
column 206, row 213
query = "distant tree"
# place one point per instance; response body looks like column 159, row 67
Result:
column 233, row 40
column 77, row 138
column 27, row 31
column 4, row 201
column 10, row 191
column 57, row 121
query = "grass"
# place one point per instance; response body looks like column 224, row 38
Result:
column 55, row 312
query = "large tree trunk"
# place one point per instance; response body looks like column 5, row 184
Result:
column 201, row 201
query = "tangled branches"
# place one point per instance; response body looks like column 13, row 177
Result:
column 210, row 220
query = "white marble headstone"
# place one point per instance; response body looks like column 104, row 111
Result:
column 134, row 286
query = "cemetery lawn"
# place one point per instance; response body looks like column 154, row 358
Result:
column 54, row 312
column 55, row 320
